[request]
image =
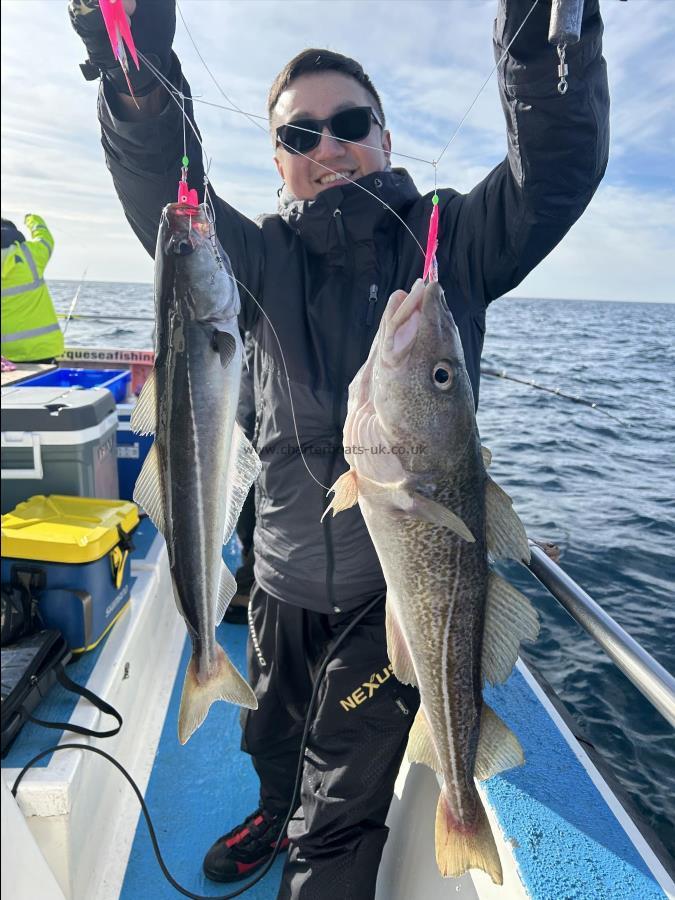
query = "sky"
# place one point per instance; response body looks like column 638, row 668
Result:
column 428, row 59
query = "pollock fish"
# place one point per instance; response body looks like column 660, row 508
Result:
column 418, row 473
column 197, row 475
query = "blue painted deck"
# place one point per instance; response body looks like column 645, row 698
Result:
column 566, row 840
column 196, row 793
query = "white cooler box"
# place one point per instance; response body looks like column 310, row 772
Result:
column 58, row 440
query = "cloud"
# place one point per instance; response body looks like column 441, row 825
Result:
column 602, row 249
column 428, row 60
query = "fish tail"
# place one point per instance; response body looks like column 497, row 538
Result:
column 458, row 849
column 223, row 683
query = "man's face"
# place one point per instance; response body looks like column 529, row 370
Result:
column 318, row 97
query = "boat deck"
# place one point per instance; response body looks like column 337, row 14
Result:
column 196, row 792
column 563, row 832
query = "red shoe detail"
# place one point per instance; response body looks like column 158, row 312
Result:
column 242, row 867
column 230, row 842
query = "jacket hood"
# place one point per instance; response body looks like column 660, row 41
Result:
column 10, row 234
column 360, row 213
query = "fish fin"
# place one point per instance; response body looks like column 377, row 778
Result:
column 506, row 537
column 509, row 619
column 345, row 493
column 487, row 456
column 243, row 469
column 437, row 514
column 148, row 489
column 226, row 346
column 498, row 747
column 458, row 850
column 226, row 591
column 421, row 747
column 397, row 649
column 224, row 683
column 144, row 414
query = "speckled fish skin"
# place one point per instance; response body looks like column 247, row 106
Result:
column 437, row 581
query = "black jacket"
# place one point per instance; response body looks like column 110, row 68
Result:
column 324, row 269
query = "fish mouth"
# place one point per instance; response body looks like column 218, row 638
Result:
column 185, row 227
column 405, row 313
column 434, row 303
column 401, row 322
column 181, row 245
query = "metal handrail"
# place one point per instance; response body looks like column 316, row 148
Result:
column 648, row 676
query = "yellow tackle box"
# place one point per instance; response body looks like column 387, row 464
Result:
column 73, row 552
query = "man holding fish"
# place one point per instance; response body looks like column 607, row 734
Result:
column 417, row 523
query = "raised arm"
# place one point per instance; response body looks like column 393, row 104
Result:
column 41, row 241
column 143, row 138
column 557, row 152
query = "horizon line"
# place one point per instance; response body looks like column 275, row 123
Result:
column 502, row 297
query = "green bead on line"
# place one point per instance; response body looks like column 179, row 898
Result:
column 434, row 199
column 185, row 162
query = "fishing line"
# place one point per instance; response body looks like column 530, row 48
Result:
column 482, row 88
column 213, row 78
column 175, row 93
column 249, row 115
column 288, row 382
column 172, row 89
column 146, row 812
column 252, row 117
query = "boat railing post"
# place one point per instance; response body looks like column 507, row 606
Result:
column 648, row 676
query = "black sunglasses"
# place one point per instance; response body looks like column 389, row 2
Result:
column 351, row 124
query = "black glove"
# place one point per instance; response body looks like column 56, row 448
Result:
column 153, row 25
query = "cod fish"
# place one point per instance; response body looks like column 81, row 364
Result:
column 418, row 473
column 197, row 475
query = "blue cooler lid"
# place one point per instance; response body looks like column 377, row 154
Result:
column 54, row 408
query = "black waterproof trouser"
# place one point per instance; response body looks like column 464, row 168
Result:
column 359, row 731
column 245, row 527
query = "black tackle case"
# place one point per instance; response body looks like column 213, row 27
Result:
column 30, row 668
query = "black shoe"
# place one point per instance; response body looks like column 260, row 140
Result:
column 245, row 849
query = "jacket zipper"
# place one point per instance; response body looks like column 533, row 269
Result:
column 372, row 303
column 337, row 402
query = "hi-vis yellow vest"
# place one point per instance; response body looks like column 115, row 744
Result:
column 30, row 330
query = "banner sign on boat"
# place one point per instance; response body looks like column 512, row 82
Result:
column 109, row 354
column 140, row 362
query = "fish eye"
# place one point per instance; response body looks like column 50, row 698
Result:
column 442, row 375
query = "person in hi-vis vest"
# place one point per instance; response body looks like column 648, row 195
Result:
column 30, row 330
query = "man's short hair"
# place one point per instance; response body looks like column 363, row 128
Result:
column 312, row 61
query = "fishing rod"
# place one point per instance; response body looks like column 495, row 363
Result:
column 73, row 304
column 98, row 318
column 501, row 373
column 484, row 370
